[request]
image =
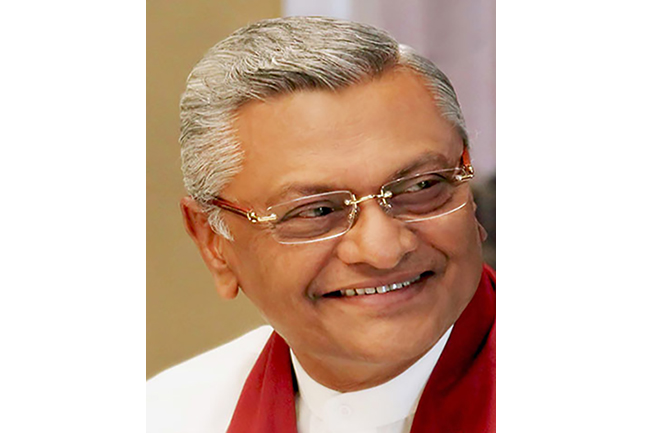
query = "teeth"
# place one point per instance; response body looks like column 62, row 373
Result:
column 381, row 289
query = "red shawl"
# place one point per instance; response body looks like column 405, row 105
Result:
column 460, row 395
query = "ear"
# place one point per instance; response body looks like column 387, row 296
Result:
column 482, row 233
column 211, row 246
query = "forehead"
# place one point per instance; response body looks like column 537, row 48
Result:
column 348, row 139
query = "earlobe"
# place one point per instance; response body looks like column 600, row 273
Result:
column 211, row 246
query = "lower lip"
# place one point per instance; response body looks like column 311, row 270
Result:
column 392, row 298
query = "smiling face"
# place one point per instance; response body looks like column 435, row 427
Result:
column 356, row 139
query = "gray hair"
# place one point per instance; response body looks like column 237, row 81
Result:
column 275, row 57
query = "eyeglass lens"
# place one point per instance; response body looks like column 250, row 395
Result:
column 322, row 216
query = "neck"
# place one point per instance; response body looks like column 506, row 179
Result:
column 347, row 376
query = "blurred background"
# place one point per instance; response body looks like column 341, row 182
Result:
column 185, row 316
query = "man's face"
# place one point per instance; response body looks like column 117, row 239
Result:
column 356, row 139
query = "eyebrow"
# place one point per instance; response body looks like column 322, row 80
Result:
column 428, row 160
column 299, row 190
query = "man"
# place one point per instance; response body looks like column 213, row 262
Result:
column 327, row 168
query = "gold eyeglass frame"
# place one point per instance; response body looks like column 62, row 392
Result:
column 466, row 172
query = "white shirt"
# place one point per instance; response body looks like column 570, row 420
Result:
column 386, row 408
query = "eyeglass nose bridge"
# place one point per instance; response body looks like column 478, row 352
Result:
column 382, row 196
column 355, row 202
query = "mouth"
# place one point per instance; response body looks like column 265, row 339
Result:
column 378, row 290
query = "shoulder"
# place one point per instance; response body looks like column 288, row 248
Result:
column 200, row 395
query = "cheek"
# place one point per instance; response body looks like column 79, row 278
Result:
column 456, row 235
column 272, row 272
column 458, row 240
column 295, row 268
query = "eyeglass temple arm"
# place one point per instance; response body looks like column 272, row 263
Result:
column 232, row 207
column 229, row 206
column 466, row 165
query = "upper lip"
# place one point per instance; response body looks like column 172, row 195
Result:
column 376, row 282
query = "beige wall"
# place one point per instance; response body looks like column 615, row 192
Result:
column 184, row 314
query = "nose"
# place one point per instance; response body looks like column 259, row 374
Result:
column 376, row 239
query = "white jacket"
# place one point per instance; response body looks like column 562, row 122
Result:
column 200, row 395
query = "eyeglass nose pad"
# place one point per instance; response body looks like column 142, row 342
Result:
column 352, row 216
column 383, row 202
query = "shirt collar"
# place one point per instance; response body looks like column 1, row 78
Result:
column 373, row 407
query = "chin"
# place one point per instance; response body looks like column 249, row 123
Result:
column 392, row 343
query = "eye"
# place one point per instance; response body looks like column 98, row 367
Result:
column 422, row 185
column 315, row 212
column 419, row 184
column 311, row 211
column 419, row 195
